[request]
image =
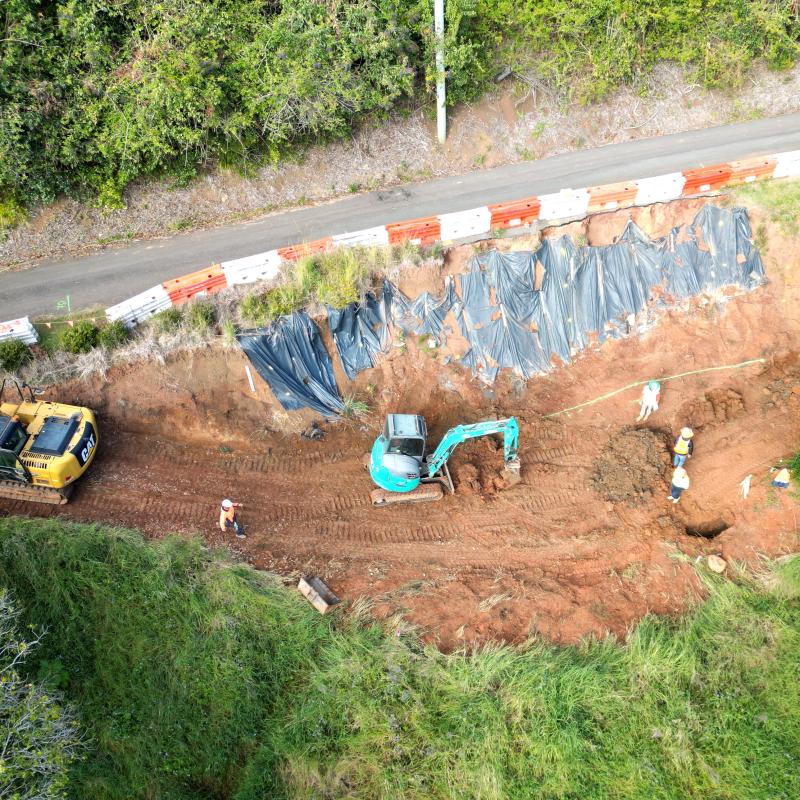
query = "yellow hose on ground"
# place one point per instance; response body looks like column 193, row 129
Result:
column 660, row 380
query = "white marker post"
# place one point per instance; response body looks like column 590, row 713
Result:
column 438, row 27
column 250, row 378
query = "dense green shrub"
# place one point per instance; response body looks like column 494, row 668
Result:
column 140, row 88
column 80, row 337
column 588, row 47
column 13, row 354
column 40, row 737
column 96, row 94
column 113, row 335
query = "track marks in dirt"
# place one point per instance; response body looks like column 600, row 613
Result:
column 380, row 535
column 290, row 460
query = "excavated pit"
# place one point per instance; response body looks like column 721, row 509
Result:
column 709, row 529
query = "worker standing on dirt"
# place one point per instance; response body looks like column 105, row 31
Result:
column 651, row 395
column 683, row 448
column 680, row 483
column 228, row 518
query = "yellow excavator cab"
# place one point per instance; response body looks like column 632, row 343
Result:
column 44, row 447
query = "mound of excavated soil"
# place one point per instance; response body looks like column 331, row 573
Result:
column 631, row 466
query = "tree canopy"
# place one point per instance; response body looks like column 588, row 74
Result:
column 94, row 93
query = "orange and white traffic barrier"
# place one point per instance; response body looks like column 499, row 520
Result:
column 196, row 284
column 21, row 329
column 555, row 206
column 423, row 231
column 612, row 195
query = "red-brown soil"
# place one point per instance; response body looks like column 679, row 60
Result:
column 552, row 555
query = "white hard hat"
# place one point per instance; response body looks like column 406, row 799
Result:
column 679, row 471
column 687, row 433
column 226, row 504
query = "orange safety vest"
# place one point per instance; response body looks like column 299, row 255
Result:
column 682, row 446
column 228, row 515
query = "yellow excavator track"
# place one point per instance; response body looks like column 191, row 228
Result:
column 424, row 493
column 38, row 494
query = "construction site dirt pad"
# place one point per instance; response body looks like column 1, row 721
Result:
column 586, row 543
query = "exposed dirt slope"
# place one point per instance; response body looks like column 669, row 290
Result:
column 550, row 555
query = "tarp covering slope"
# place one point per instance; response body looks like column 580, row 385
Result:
column 518, row 310
column 361, row 331
column 291, row 358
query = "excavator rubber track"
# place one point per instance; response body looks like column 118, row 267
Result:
column 424, row 493
column 38, row 494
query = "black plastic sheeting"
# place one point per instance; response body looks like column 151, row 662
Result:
column 508, row 319
column 361, row 331
column 425, row 315
column 292, row 359
column 598, row 290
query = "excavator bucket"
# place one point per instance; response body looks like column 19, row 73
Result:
column 511, row 472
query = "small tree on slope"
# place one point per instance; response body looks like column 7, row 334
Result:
column 38, row 737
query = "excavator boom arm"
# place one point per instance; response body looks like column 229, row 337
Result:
column 508, row 427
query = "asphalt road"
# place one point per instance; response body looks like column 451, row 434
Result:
column 107, row 277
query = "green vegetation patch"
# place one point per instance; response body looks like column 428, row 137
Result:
column 335, row 279
column 80, row 337
column 113, row 335
column 14, row 354
column 174, row 661
column 780, row 198
column 140, row 88
column 197, row 679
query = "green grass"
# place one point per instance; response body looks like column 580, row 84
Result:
column 169, row 320
column 176, row 662
column 201, row 315
column 335, row 278
column 780, row 198
column 195, row 679
column 353, row 408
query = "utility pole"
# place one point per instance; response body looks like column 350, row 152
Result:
column 438, row 27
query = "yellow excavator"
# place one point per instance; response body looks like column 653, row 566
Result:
column 44, row 447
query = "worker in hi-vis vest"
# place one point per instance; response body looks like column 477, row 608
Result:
column 683, row 447
column 781, row 480
column 228, row 518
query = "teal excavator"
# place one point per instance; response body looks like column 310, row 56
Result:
column 399, row 465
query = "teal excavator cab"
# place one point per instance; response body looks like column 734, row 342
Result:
column 405, row 473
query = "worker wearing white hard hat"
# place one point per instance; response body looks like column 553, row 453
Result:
column 680, row 483
column 228, row 518
column 683, row 447
column 651, row 396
